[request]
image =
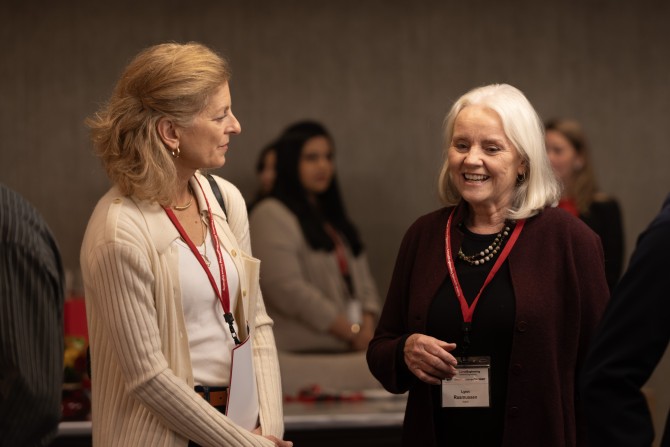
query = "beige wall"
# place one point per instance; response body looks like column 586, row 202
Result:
column 380, row 74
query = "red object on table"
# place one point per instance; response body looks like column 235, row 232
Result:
column 314, row 393
column 74, row 318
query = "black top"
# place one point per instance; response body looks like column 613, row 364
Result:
column 604, row 218
column 491, row 335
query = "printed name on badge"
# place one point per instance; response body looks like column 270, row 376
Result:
column 470, row 387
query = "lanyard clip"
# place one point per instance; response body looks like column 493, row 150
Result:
column 230, row 320
column 467, row 327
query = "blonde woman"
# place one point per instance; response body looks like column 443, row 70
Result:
column 171, row 286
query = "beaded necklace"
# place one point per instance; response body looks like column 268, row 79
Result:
column 488, row 253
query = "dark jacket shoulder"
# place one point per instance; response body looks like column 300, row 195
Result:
column 431, row 220
column 562, row 223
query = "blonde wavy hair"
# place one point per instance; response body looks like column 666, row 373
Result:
column 168, row 80
column 539, row 187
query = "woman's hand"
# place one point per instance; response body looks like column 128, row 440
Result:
column 341, row 328
column 428, row 358
column 367, row 331
column 362, row 339
column 278, row 442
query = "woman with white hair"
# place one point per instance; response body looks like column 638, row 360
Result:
column 494, row 297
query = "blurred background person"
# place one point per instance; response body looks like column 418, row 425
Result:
column 170, row 284
column 498, row 288
column 315, row 275
column 32, row 290
column 265, row 173
column 630, row 342
column 570, row 157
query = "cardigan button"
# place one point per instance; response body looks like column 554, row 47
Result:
column 117, row 200
column 233, row 253
column 517, row 369
column 244, row 293
column 513, row 411
column 522, row 326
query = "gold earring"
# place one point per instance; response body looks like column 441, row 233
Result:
column 175, row 152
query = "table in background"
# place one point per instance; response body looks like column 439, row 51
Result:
column 371, row 423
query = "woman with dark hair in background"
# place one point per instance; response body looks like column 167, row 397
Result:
column 570, row 158
column 315, row 275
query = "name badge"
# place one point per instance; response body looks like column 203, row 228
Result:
column 470, row 387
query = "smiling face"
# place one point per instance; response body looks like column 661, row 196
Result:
column 483, row 163
column 316, row 167
column 204, row 143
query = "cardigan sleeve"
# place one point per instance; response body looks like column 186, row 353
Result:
column 575, row 287
column 384, row 355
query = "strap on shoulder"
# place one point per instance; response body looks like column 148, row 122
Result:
column 217, row 192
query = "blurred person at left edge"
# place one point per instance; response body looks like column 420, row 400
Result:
column 32, row 288
column 172, row 291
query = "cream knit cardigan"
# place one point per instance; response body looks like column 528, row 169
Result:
column 141, row 369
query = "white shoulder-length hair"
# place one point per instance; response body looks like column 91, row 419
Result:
column 525, row 130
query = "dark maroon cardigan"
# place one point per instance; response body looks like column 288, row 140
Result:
column 558, row 277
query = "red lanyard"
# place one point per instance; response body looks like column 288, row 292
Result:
column 468, row 311
column 224, row 294
column 339, row 249
column 341, row 255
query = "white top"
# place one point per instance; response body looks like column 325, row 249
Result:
column 209, row 338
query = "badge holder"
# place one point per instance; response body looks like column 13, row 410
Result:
column 470, row 387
